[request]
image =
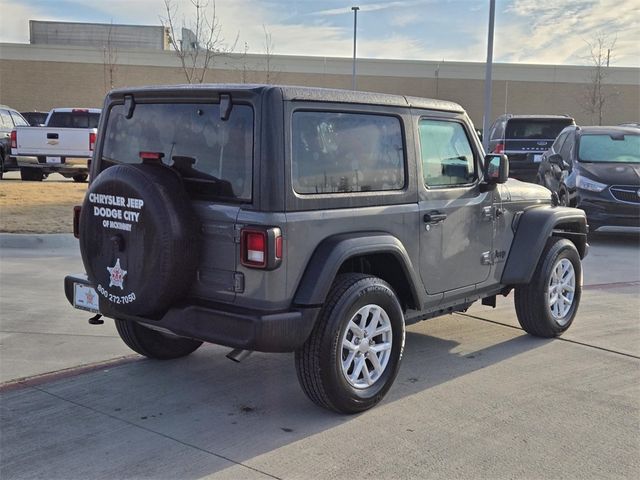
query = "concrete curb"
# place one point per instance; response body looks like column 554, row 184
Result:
column 37, row 241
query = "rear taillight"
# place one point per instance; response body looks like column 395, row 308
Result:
column 14, row 139
column 76, row 221
column 499, row 148
column 92, row 141
column 79, row 110
column 261, row 247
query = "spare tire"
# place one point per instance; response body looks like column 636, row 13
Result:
column 139, row 239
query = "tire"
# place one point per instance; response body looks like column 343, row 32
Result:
column 1, row 164
column 139, row 239
column 154, row 344
column 80, row 177
column 28, row 174
column 331, row 374
column 537, row 313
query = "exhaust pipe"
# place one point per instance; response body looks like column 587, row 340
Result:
column 237, row 354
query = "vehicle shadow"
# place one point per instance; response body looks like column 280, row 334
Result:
column 232, row 411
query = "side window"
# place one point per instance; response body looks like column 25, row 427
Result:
column 447, row 157
column 5, row 119
column 18, row 120
column 567, row 148
column 557, row 145
column 498, row 131
column 334, row 152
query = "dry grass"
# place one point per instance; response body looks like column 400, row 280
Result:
column 39, row 207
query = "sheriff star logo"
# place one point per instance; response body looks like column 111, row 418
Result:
column 116, row 275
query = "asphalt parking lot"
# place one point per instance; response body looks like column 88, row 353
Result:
column 475, row 396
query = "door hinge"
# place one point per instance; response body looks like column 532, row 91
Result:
column 238, row 282
column 488, row 258
column 489, row 213
column 236, row 233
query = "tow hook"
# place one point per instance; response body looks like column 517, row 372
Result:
column 96, row 320
column 237, row 354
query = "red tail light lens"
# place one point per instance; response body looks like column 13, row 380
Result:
column 151, row 155
column 499, row 148
column 261, row 247
column 76, row 221
column 92, row 141
column 254, row 248
column 14, row 139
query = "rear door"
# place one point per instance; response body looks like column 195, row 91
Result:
column 214, row 157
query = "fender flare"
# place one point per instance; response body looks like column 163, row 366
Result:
column 534, row 227
column 333, row 251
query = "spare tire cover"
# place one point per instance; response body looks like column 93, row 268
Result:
column 139, row 239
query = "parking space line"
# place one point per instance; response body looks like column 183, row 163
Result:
column 562, row 339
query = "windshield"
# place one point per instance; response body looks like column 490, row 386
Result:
column 528, row 129
column 214, row 156
column 619, row 148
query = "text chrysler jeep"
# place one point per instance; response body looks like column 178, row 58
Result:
column 276, row 219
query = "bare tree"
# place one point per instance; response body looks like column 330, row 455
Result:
column 201, row 40
column 109, row 59
column 596, row 95
column 269, row 48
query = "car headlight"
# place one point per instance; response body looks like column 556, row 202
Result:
column 587, row 184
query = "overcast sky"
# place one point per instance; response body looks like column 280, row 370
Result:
column 527, row 31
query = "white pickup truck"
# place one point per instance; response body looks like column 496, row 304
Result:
column 63, row 145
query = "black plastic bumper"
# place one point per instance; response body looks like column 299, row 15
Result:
column 604, row 211
column 225, row 325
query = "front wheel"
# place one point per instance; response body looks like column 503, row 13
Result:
column 352, row 356
column 547, row 305
column 80, row 177
column 154, row 344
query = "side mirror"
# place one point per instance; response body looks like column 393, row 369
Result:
column 556, row 159
column 496, row 169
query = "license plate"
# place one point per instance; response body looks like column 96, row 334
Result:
column 85, row 298
column 537, row 158
column 54, row 160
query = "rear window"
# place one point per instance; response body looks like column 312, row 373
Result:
column 214, row 156
column 610, row 148
column 528, row 129
column 336, row 152
column 74, row 120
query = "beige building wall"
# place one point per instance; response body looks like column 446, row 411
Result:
column 35, row 77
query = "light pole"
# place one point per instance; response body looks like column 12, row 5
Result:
column 355, row 26
column 486, row 119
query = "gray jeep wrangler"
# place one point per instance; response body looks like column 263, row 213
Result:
column 278, row 219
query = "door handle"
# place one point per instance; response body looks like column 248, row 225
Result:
column 52, row 135
column 434, row 217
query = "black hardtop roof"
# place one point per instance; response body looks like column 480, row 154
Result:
column 312, row 94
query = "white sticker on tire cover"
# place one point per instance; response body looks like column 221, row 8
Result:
column 110, row 209
column 117, row 274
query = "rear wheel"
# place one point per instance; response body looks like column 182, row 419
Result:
column 353, row 354
column 547, row 305
column 80, row 177
column 29, row 174
column 154, row 344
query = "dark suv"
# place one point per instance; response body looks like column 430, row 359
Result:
column 597, row 169
column 524, row 138
column 279, row 219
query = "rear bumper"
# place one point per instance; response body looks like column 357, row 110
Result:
column 225, row 325
column 67, row 166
